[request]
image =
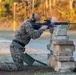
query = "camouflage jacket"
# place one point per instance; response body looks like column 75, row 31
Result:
column 26, row 32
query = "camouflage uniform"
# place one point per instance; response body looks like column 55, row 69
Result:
column 23, row 35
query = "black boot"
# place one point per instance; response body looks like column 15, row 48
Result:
column 74, row 70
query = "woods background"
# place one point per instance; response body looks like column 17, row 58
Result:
column 14, row 12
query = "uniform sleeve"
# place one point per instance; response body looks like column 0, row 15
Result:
column 33, row 34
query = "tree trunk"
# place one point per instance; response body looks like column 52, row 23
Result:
column 54, row 1
column 30, row 4
column 50, row 4
column 33, row 6
column 71, row 4
column 46, row 4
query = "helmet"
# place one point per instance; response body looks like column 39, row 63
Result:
column 34, row 17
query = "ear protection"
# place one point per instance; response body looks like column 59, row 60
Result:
column 33, row 18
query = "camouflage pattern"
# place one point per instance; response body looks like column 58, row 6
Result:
column 23, row 34
column 17, row 55
column 26, row 32
column 8, row 66
column 17, row 52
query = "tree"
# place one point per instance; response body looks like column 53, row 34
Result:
column 71, row 4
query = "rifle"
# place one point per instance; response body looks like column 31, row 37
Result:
column 36, row 26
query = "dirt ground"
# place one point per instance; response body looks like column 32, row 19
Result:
column 35, row 70
column 29, row 70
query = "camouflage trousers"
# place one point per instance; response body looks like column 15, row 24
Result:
column 17, row 52
column 8, row 66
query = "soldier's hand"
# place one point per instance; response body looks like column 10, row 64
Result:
column 44, row 27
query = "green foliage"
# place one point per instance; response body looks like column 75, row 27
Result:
column 61, row 10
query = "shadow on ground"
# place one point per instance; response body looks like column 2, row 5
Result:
column 29, row 70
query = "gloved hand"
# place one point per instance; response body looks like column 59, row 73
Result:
column 44, row 27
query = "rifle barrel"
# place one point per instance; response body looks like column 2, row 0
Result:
column 63, row 23
column 38, row 25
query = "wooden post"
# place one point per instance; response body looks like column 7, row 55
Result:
column 0, row 7
column 33, row 6
column 14, row 17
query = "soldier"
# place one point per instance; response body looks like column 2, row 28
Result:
column 22, row 37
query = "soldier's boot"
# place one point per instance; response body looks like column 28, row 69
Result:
column 74, row 70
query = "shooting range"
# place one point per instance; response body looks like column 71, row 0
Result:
column 54, row 53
